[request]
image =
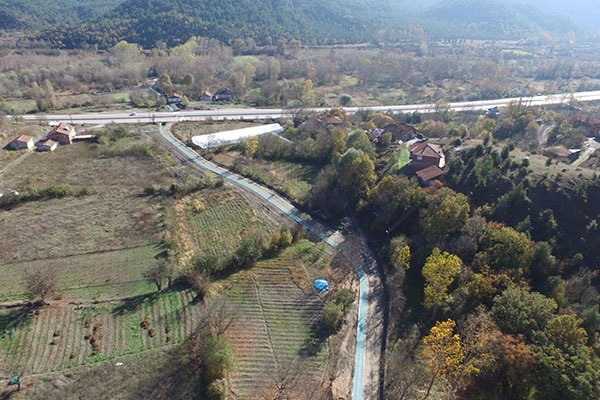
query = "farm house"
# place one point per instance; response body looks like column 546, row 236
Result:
column 235, row 136
column 22, row 142
column 48, row 145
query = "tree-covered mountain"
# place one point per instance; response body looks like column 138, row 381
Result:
column 583, row 12
column 491, row 19
column 39, row 14
column 147, row 22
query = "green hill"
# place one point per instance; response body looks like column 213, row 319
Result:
column 148, row 22
column 174, row 21
column 39, row 14
column 491, row 19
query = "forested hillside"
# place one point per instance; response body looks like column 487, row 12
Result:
column 491, row 19
column 582, row 12
column 147, row 22
column 38, row 14
column 74, row 24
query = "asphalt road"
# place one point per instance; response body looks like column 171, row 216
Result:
column 369, row 332
column 274, row 113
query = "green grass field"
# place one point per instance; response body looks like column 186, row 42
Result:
column 403, row 156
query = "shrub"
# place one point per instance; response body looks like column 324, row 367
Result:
column 219, row 357
column 56, row 192
column 198, row 282
column 151, row 190
column 251, row 250
column 333, row 315
column 345, row 100
column 345, row 298
column 216, row 390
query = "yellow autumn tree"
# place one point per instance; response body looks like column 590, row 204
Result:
column 443, row 352
column 308, row 93
column 401, row 257
column 439, row 272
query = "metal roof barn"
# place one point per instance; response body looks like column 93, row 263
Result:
column 235, row 136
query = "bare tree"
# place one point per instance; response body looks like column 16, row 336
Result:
column 161, row 271
column 218, row 316
column 292, row 381
column 41, row 283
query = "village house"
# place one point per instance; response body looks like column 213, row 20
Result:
column 403, row 132
column 424, row 155
column 22, row 142
column 174, row 98
column 562, row 153
column 63, row 133
column 428, row 175
column 206, row 96
column 48, row 145
column 333, row 120
column 224, row 95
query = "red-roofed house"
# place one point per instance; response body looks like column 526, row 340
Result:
column 333, row 120
column 403, row 132
column 428, row 175
column 22, row 142
column 48, row 145
column 425, row 155
column 62, row 133
column 206, row 96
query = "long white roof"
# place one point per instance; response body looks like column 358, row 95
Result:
column 235, row 136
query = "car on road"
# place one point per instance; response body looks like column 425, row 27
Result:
column 133, row 114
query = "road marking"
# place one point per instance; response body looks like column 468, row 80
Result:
column 363, row 295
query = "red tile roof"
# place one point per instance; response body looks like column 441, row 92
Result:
column 63, row 128
column 429, row 173
column 48, row 143
column 427, row 149
column 332, row 120
column 23, row 138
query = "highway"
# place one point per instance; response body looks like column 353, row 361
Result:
column 275, row 113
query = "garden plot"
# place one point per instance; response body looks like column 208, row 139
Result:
column 63, row 337
column 214, row 222
column 277, row 313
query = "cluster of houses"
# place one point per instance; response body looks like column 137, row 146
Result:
column 224, row 95
column 427, row 159
column 61, row 134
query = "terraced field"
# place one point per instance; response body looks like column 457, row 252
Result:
column 278, row 308
column 214, row 223
column 60, row 336
column 274, row 302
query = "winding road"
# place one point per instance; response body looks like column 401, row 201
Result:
column 370, row 333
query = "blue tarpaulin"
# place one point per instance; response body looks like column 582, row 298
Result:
column 321, row 285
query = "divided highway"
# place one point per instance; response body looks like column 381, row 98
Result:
column 274, row 113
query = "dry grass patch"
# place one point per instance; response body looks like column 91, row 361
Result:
column 213, row 222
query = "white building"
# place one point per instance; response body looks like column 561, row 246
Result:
column 234, row 137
